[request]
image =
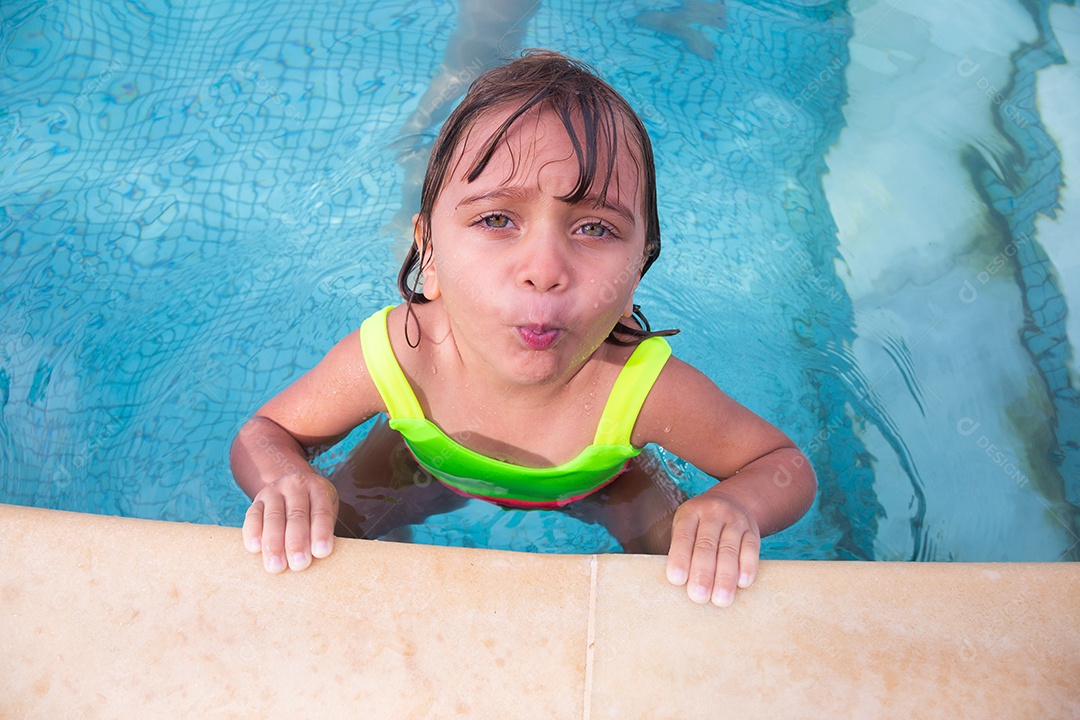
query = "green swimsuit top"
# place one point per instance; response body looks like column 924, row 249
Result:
column 472, row 474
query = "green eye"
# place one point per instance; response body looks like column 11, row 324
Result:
column 496, row 221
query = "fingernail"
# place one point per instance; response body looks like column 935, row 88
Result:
column 252, row 544
column 275, row 563
column 298, row 560
column 744, row 580
column 722, row 598
column 699, row 594
column 321, row 549
column 676, row 576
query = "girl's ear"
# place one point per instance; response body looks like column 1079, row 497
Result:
column 431, row 288
column 427, row 270
column 417, row 227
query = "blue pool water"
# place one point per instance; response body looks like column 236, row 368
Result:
column 867, row 240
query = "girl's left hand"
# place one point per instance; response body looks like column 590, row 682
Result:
column 715, row 543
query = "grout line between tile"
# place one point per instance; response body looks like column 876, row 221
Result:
column 590, row 641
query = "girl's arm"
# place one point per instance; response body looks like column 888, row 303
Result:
column 294, row 508
column 766, row 483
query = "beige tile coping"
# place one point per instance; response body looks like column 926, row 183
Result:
column 114, row 618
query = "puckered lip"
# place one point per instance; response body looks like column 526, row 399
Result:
column 539, row 337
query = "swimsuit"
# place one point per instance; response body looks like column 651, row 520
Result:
column 469, row 473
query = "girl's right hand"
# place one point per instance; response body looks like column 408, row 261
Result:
column 292, row 517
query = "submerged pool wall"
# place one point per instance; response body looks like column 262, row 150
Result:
column 106, row 616
column 874, row 197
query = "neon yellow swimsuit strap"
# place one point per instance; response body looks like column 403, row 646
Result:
column 630, row 390
column 471, row 473
column 384, row 369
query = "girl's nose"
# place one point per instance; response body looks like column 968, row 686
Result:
column 544, row 264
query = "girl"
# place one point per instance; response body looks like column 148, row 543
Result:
column 519, row 369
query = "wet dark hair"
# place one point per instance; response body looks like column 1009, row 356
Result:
column 548, row 81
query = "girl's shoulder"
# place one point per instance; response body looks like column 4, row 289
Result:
column 681, row 393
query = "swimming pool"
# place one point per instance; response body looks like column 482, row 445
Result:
column 866, row 240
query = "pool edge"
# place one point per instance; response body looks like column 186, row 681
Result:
column 108, row 614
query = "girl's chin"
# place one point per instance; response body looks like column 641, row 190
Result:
column 529, row 367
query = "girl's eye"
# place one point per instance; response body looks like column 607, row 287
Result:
column 595, row 229
column 495, row 221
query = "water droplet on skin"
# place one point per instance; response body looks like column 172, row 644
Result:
column 667, row 429
column 595, row 305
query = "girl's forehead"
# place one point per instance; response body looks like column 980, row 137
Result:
column 539, row 138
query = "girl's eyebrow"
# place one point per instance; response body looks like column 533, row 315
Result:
column 513, row 193
column 500, row 193
column 614, row 207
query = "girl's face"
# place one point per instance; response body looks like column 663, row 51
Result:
column 532, row 284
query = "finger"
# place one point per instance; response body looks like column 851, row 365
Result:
column 324, row 507
column 298, row 531
column 253, row 524
column 683, row 534
column 703, row 563
column 748, row 559
column 273, row 534
column 727, row 567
